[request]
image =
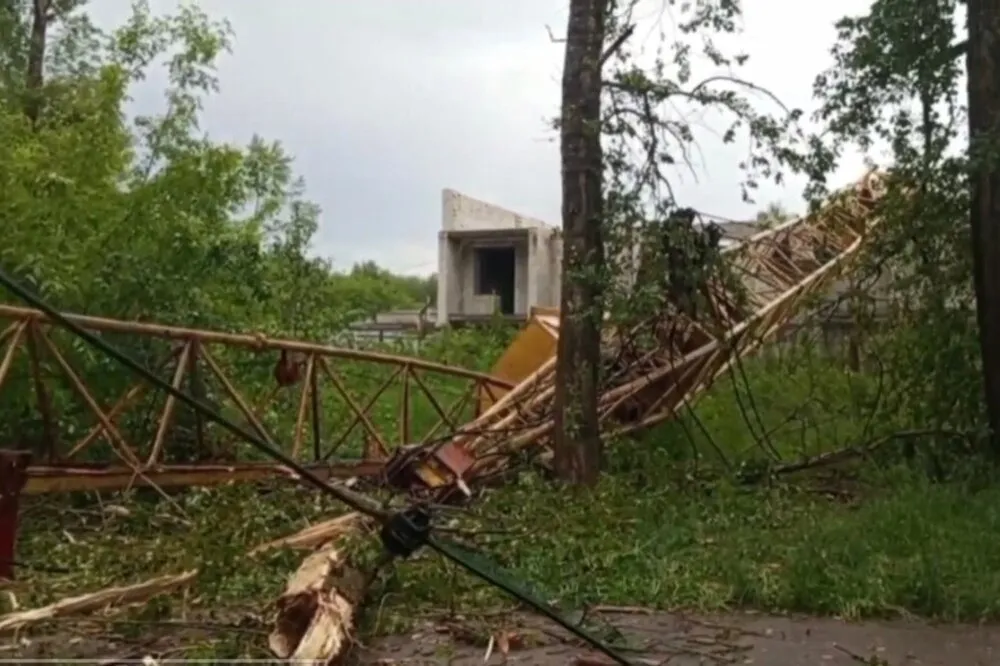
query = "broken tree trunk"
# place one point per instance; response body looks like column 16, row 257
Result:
column 317, row 612
column 318, row 534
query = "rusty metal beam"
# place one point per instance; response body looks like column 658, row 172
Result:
column 72, row 478
column 777, row 270
column 12, row 478
column 68, row 475
column 259, row 342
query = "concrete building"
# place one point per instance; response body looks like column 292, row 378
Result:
column 493, row 261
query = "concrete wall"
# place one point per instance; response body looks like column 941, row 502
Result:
column 449, row 278
column 462, row 213
column 457, row 276
column 538, row 256
column 538, row 270
column 544, row 267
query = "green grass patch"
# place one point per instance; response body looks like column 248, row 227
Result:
column 929, row 550
column 665, row 529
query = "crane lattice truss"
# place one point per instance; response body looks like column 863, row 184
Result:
column 379, row 417
column 777, row 272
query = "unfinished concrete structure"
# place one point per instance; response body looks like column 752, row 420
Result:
column 493, row 261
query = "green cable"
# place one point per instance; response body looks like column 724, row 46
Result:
column 353, row 500
column 508, row 584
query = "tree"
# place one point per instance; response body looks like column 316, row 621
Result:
column 146, row 217
column 577, row 427
column 773, row 214
column 640, row 113
column 983, row 65
column 897, row 78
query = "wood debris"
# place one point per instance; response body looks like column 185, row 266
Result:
column 316, row 613
column 318, row 534
column 95, row 601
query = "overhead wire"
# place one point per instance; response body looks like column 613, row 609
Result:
column 401, row 521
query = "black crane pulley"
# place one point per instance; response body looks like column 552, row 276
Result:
column 402, row 533
column 406, row 531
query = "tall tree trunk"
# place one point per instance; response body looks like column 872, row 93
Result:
column 34, row 78
column 577, row 432
column 983, row 64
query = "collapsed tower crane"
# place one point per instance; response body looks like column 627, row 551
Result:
column 777, row 271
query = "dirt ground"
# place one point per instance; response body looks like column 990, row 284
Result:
column 651, row 639
column 677, row 640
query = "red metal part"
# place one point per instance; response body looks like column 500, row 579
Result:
column 454, row 458
column 420, row 468
column 13, row 467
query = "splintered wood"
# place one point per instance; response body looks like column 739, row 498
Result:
column 318, row 534
column 97, row 601
column 316, row 613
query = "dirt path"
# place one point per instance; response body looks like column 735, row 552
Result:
column 675, row 640
column 659, row 639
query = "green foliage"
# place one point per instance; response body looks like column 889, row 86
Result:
column 147, row 218
column 896, row 83
column 649, row 141
column 914, row 547
column 773, row 215
column 796, row 401
column 475, row 349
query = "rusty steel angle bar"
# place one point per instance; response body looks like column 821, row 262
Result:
column 398, row 529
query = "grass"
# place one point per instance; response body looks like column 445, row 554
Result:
column 917, row 548
column 910, row 547
column 658, row 532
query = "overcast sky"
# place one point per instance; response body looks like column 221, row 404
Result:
column 385, row 102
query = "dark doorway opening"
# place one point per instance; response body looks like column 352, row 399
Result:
column 495, row 275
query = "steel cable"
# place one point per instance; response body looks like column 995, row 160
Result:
column 355, row 501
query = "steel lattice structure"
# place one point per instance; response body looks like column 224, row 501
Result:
column 346, row 441
column 778, row 270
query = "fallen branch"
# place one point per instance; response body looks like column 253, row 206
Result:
column 838, row 456
column 85, row 603
column 318, row 534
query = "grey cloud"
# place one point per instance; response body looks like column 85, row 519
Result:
column 384, row 103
